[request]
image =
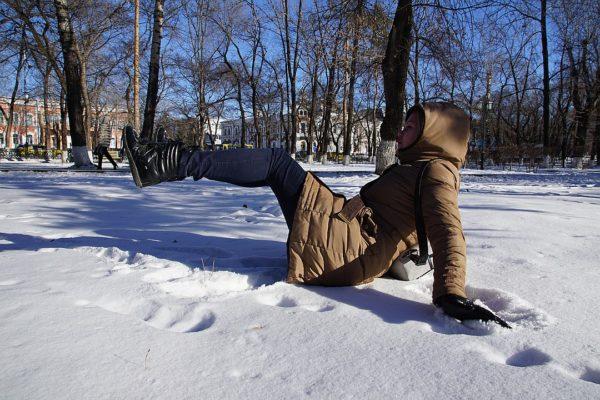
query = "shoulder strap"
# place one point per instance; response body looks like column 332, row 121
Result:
column 423, row 255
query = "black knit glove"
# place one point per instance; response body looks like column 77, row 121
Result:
column 462, row 309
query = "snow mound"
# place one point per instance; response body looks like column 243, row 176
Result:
column 124, row 259
column 175, row 278
column 510, row 307
column 204, row 284
column 175, row 291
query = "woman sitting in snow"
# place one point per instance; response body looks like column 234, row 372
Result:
column 339, row 242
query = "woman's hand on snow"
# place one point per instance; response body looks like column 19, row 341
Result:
column 462, row 309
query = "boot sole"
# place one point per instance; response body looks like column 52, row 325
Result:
column 133, row 167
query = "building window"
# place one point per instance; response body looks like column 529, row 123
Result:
column 1, row 118
column 16, row 119
column 15, row 140
column 2, row 140
column 29, row 120
column 29, row 139
column 303, row 128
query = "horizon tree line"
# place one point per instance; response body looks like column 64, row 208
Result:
column 526, row 72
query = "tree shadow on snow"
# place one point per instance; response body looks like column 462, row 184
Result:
column 154, row 221
column 266, row 264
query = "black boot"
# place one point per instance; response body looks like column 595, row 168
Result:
column 152, row 162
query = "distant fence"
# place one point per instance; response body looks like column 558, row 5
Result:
column 30, row 152
column 530, row 157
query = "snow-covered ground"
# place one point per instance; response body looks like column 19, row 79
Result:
column 175, row 292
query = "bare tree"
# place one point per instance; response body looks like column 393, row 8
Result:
column 395, row 71
column 356, row 27
column 201, row 81
column 154, row 68
column 74, row 89
column 9, row 116
column 136, row 65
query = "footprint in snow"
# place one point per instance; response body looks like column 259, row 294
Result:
column 525, row 357
column 182, row 318
column 533, row 357
column 591, row 374
column 529, row 357
column 286, row 301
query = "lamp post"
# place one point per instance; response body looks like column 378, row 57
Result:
column 26, row 96
column 26, row 118
column 37, row 118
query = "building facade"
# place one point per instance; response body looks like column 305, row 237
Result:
column 272, row 132
column 26, row 128
column 29, row 123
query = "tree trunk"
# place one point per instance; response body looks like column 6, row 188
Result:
column 416, row 64
column 63, row 126
column 581, row 109
column 47, row 126
column 152, row 93
column 74, row 91
column 284, row 125
column 13, row 96
column 329, row 99
column 87, row 105
column 312, row 112
column 292, row 70
column 136, row 65
column 546, row 79
column 351, row 83
column 395, row 72
column 562, row 118
column 255, row 113
column 597, row 138
column 242, row 112
column 488, row 83
column 374, row 114
column 497, row 133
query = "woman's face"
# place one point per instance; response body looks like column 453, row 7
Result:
column 409, row 134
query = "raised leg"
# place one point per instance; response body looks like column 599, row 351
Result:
column 249, row 168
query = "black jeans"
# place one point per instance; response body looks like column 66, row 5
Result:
column 250, row 168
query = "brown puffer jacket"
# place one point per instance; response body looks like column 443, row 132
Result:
column 339, row 242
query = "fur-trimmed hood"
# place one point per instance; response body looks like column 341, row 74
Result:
column 445, row 131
